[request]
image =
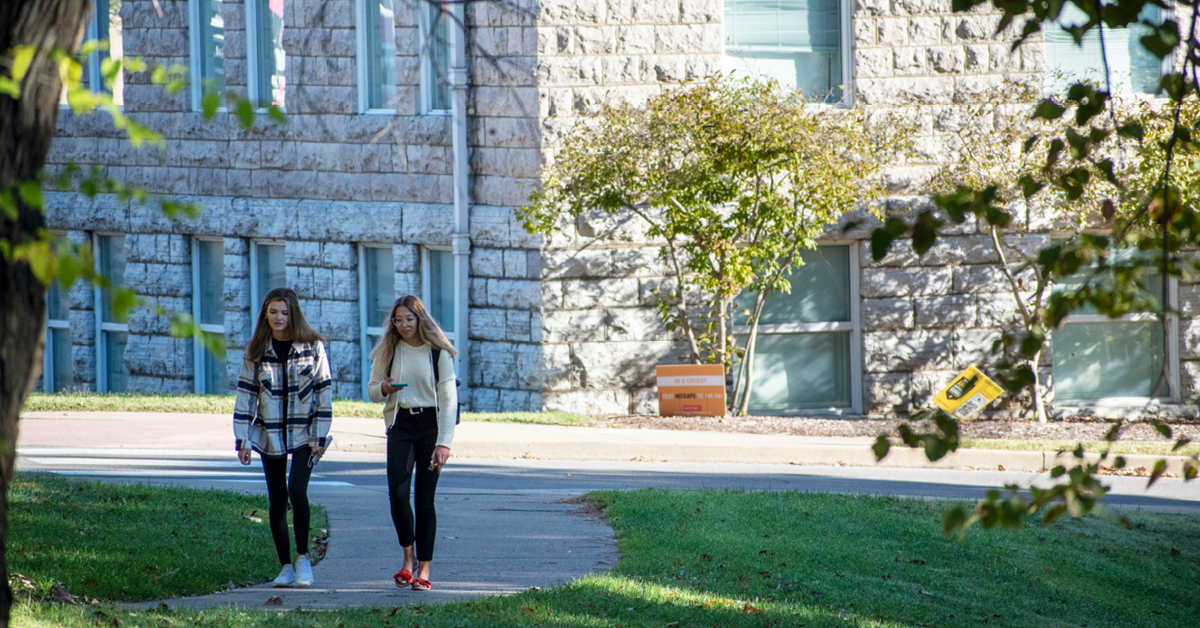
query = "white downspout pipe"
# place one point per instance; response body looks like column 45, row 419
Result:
column 462, row 198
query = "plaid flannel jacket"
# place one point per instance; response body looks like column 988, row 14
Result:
column 257, row 420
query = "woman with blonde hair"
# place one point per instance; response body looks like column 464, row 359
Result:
column 284, row 406
column 412, row 369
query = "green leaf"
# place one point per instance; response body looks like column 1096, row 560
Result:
column 1030, row 186
column 1049, row 110
column 1190, row 469
column 8, row 204
column 42, row 262
column 10, row 87
column 881, row 241
column 1160, row 467
column 1163, row 38
column 1133, row 130
column 1032, row 343
column 245, row 113
column 924, row 232
column 1162, row 428
column 935, row 448
column 955, row 519
column 123, row 301
column 1113, row 432
column 881, row 447
column 1054, row 513
column 277, row 114
column 1181, row 443
column 31, row 194
column 22, row 59
column 1175, row 85
column 209, row 104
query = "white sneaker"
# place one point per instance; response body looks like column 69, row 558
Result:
column 286, row 578
column 304, row 575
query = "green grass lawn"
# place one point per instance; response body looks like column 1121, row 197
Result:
column 137, row 542
column 757, row 559
column 223, row 404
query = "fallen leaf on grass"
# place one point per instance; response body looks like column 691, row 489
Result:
column 320, row 545
column 274, row 601
column 749, row 608
column 1174, row 552
column 924, row 592
column 60, row 593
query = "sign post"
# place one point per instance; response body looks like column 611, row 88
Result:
column 968, row 393
column 691, row 390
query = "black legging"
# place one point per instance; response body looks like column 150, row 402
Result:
column 405, row 450
column 281, row 488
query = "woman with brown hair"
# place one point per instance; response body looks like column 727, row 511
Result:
column 412, row 369
column 284, row 406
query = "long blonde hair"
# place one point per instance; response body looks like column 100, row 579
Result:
column 427, row 331
column 298, row 328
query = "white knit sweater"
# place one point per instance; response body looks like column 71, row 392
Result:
column 414, row 367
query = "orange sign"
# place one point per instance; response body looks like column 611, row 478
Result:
column 690, row 389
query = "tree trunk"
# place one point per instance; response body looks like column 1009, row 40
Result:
column 26, row 128
column 1039, row 406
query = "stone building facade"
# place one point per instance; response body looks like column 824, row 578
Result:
column 345, row 188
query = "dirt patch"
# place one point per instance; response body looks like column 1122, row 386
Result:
column 995, row 429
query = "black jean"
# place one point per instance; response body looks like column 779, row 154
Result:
column 410, row 443
column 283, row 487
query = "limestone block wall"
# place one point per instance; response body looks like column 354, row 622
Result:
column 921, row 58
column 159, row 269
column 600, row 337
column 505, row 315
column 325, row 277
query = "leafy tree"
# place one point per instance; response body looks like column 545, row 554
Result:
column 998, row 142
column 736, row 177
column 1160, row 215
column 42, row 57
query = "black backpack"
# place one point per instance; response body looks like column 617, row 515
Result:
column 435, row 355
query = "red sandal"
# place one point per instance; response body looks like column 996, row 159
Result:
column 421, row 584
column 403, row 578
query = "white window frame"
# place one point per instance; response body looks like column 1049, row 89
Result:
column 1172, row 358
column 49, row 373
column 426, row 282
column 198, row 349
column 195, row 65
column 366, row 329
column 95, row 80
column 428, row 75
column 101, row 325
column 853, row 326
column 256, row 293
column 252, row 54
column 846, row 50
column 363, row 68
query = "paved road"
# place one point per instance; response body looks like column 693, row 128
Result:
column 366, row 471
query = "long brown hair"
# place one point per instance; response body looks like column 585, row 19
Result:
column 427, row 331
column 298, row 329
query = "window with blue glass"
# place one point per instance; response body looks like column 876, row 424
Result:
column 1132, row 68
column 799, row 43
column 806, row 351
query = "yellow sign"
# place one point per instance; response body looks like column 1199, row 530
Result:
column 969, row 392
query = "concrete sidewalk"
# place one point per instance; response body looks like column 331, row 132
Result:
column 547, row 442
